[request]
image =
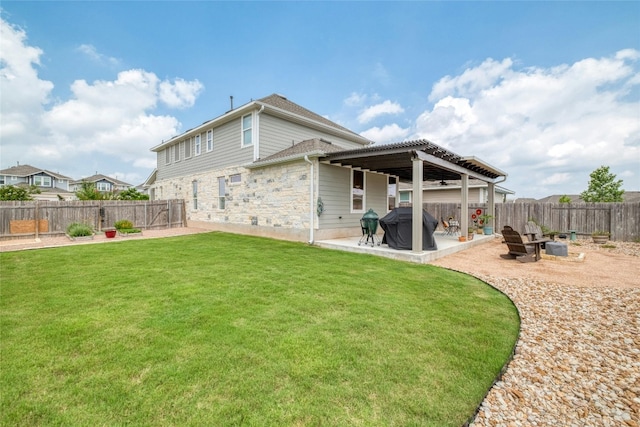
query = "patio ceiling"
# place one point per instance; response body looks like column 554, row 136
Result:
column 397, row 159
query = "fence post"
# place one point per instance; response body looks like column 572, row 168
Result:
column 37, row 222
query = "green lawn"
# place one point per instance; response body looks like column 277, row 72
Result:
column 222, row 330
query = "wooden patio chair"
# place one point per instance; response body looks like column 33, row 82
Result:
column 534, row 232
column 518, row 249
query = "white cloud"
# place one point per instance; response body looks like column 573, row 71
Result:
column 547, row 127
column 93, row 54
column 181, row 93
column 23, row 93
column 386, row 107
column 355, row 99
column 112, row 120
column 386, row 134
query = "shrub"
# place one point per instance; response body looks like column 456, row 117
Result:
column 78, row 229
column 129, row 230
column 123, row 224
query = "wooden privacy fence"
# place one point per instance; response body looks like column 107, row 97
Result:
column 19, row 219
column 622, row 220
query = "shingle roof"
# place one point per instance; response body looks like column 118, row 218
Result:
column 315, row 147
column 28, row 170
column 100, row 177
column 281, row 102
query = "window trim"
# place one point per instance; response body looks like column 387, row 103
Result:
column 167, row 156
column 194, row 189
column 222, row 191
column 243, row 130
column 197, row 146
column 402, row 193
column 42, row 179
column 209, row 140
column 364, row 191
column 187, row 144
column 235, row 179
column 176, row 152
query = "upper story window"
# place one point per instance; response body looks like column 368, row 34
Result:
column 187, row 148
column 42, row 181
column 176, row 152
column 209, row 140
column 167, row 155
column 246, row 130
column 196, row 145
column 357, row 191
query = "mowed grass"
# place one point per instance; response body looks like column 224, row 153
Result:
column 222, row 330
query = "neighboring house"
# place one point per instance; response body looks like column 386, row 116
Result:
column 273, row 168
column 103, row 183
column 449, row 191
column 52, row 186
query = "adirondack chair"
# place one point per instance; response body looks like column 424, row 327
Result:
column 534, row 232
column 518, row 249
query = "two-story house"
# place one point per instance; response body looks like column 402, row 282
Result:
column 52, row 185
column 273, row 168
column 103, row 183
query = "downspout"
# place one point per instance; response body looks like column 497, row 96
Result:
column 311, row 210
column 256, row 147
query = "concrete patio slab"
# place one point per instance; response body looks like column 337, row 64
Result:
column 447, row 245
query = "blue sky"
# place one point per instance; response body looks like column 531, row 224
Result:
column 546, row 91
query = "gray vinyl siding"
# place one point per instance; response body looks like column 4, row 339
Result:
column 277, row 134
column 226, row 152
column 334, row 189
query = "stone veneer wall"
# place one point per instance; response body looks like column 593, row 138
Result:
column 270, row 201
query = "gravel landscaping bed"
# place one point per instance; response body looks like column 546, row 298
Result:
column 577, row 360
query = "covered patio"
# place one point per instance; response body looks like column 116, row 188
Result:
column 416, row 162
column 447, row 245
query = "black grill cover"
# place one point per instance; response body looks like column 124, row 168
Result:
column 398, row 233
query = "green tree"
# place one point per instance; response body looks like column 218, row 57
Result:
column 565, row 199
column 132, row 194
column 88, row 191
column 11, row 192
column 603, row 187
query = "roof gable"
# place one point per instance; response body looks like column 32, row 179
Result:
column 28, row 170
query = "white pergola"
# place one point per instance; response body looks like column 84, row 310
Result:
column 419, row 161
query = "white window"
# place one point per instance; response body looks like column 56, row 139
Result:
column 196, row 145
column 235, row 179
column 357, row 191
column 195, row 194
column 167, row 155
column 405, row 197
column 42, row 181
column 246, row 130
column 187, row 148
column 221, row 192
column 176, row 152
column 209, row 140
column 103, row 186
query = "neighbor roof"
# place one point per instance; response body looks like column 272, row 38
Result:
column 28, row 170
column 100, row 177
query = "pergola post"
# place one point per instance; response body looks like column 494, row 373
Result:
column 491, row 204
column 416, row 224
column 464, row 205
